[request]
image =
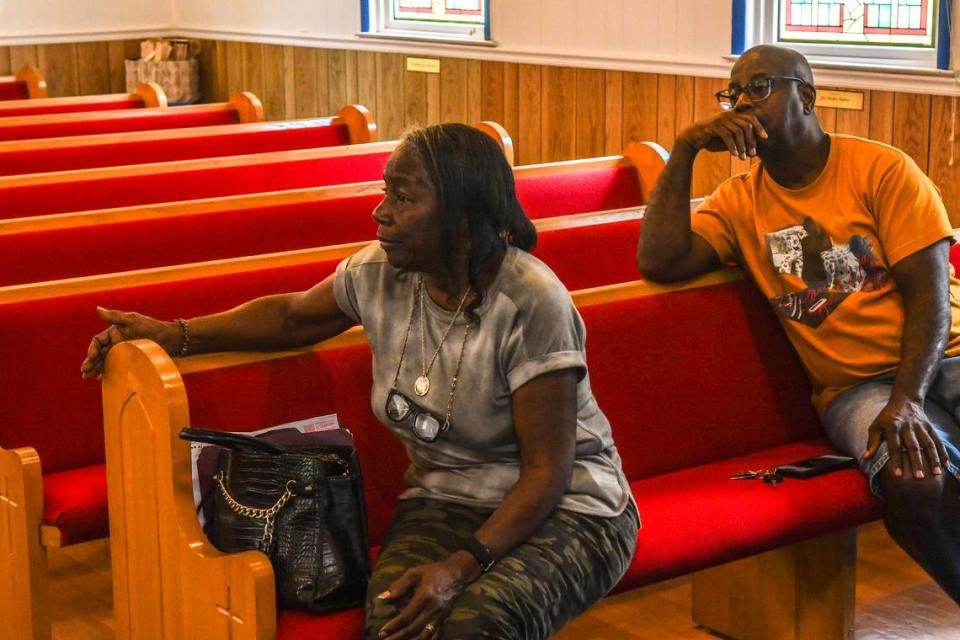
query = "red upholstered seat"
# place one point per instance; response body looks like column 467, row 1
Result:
column 697, row 517
column 342, row 625
column 14, row 90
column 141, row 122
column 75, row 501
column 310, row 134
column 49, row 109
column 955, row 258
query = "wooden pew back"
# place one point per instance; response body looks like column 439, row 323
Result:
column 148, row 95
column 52, row 322
column 353, row 125
column 137, row 238
column 67, row 191
column 242, row 107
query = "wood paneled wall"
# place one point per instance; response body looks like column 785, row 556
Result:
column 85, row 68
column 552, row 113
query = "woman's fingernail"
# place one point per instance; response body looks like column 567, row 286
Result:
column 937, row 471
column 918, row 474
column 898, row 472
column 385, row 594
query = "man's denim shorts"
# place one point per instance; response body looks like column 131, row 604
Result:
column 849, row 416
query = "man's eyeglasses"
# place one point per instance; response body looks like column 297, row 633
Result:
column 426, row 426
column 758, row 89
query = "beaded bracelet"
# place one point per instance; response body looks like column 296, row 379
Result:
column 185, row 330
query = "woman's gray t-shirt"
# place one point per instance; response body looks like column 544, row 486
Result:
column 528, row 326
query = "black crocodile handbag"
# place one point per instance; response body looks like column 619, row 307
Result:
column 302, row 505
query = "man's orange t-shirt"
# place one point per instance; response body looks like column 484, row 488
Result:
column 822, row 255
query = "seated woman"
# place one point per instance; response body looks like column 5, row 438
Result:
column 518, row 515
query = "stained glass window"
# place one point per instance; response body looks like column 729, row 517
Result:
column 463, row 21
column 462, row 11
column 866, row 22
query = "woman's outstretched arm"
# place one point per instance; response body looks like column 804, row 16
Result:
column 265, row 324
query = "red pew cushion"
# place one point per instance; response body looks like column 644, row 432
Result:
column 697, row 517
column 48, row 109
column 302, row 135
column 146, row 122
column 14, row 91
column 75, row 502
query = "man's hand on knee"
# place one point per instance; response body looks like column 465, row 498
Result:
column 904, row 426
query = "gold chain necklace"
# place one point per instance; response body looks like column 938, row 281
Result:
column 456, row 374
column 422, row 385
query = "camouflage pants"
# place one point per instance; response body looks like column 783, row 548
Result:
column 570, row 562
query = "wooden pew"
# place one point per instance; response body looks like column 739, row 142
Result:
column 104, row 241
column 160, row 552
column 68, row 191
column 55, row 416
column 26, row 84
column 242, row 107
column 148, row 95
column 352, row 125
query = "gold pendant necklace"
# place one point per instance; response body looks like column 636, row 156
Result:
column 422, row 385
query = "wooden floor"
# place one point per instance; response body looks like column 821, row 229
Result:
column 895, row 601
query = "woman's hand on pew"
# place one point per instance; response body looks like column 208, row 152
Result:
column 125, row 325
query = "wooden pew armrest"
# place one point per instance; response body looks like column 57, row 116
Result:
column 23, row 563
column 248, row 106
column 360, row 123
column 36, row 84
column 152, row 95
column 649, row 158
column 498, row 133
column 159, row 553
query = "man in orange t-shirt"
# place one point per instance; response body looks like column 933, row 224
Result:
column 849, row 241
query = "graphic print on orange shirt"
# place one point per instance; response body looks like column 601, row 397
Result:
column 831, row 271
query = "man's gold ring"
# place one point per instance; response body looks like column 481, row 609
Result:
column 429, row 628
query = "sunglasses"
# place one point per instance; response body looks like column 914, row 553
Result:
column 426, row 426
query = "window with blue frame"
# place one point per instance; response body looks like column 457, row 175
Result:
column 455, row 20
column 897, row 33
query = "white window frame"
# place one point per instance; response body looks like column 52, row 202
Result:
column 378, row 21
column 761, row 26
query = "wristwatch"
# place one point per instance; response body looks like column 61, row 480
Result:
column 480, row 552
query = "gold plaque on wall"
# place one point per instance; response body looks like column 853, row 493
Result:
column 836, row 99
column 423, row 65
